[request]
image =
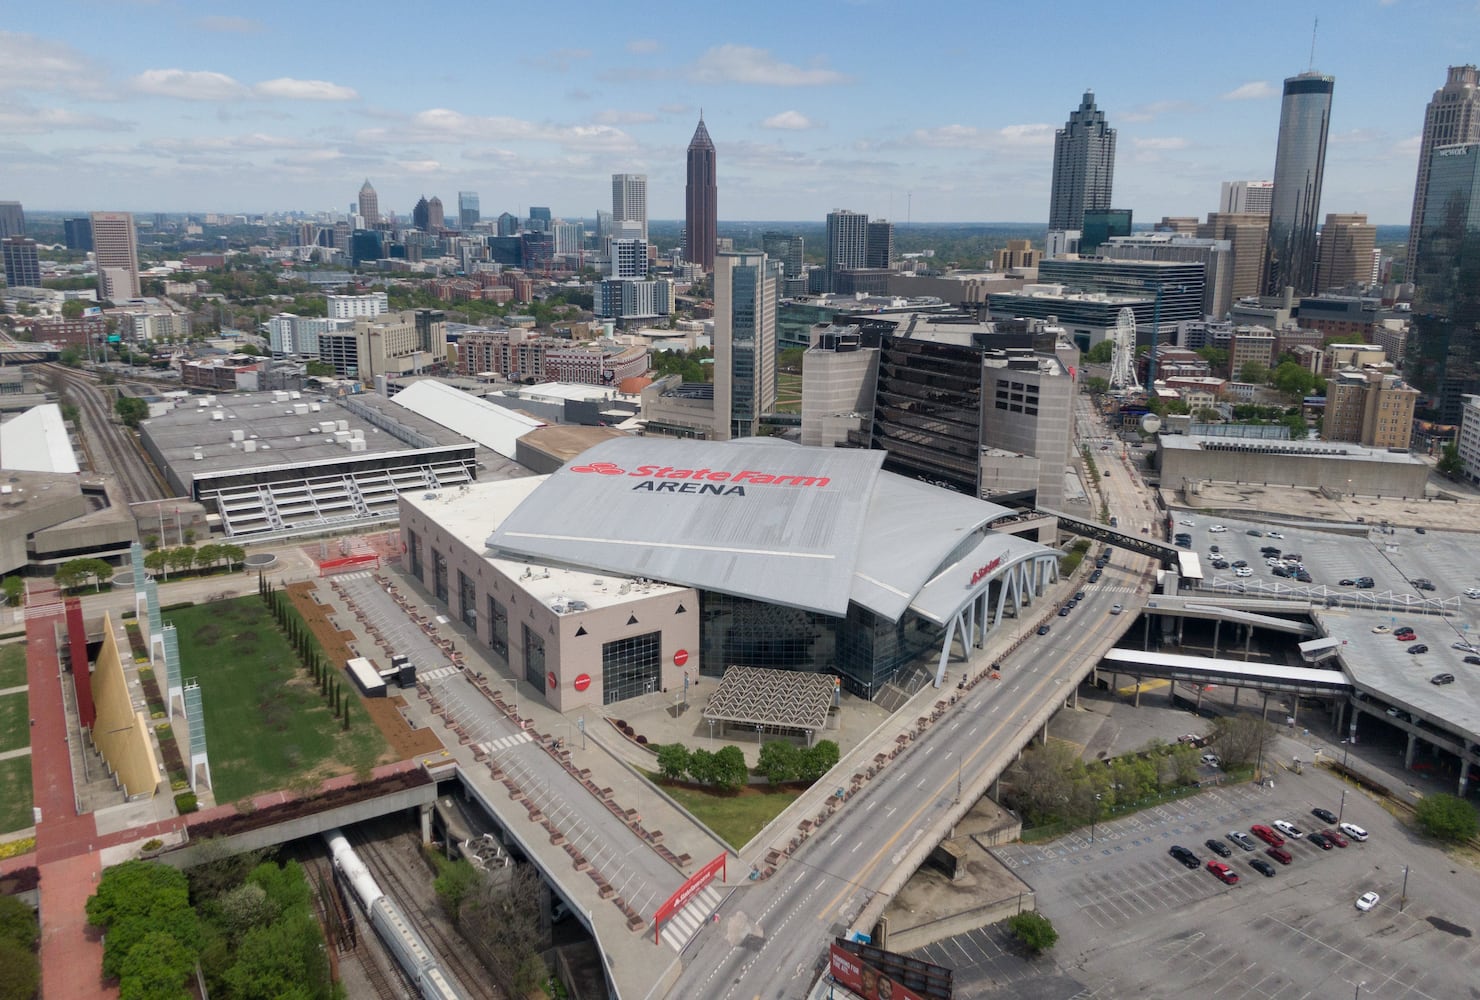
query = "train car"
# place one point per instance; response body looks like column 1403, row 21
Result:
column 353, row 870
column 409, row 950
column 437, row 985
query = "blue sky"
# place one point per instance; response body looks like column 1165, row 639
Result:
column 942, row 112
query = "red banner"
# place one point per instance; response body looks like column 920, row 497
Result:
column 691, row 888
column 332, row 565
column 863, row 979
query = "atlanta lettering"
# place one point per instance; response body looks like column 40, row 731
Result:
column 985, row 571
column 697, row 477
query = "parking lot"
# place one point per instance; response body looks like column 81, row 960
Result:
column 1135, row 922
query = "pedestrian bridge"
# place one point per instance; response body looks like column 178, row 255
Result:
column 1221, row 611
column 1267, row 677
column 1143, row 544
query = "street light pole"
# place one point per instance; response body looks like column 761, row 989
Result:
column 1357, row 994
column 1403, row 896
column 1341, row 810
column 1094, row 819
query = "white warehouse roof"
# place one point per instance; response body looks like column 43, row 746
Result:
column 493, row 427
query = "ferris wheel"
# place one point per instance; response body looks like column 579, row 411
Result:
column 1123, row 359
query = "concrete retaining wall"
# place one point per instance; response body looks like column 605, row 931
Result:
column 910, row 938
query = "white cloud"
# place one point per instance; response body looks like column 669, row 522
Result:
column 304, row 90
column 448, row 126
column 18, row 118
column 1026, row 135
column 641, row 46
column 675, row 109
column 612, row 117
column 793, row 120
column 188, row 85
column 745, row 64
column 41, row 65
column 1160, row 143
column 232, row 143
column 1357, row 136
column 1410, row 146
column 1155, row 109
column 558, row 60
column 228, row 25
column 420, row 166
column 1255, row 90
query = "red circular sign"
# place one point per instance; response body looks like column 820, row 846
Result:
column 681, row 657
column 582, row 682
column 552, row 681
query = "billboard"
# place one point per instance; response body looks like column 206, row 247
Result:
column 875, row 974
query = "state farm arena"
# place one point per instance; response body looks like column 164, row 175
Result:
column 649, row 559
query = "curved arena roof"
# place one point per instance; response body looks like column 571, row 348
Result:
column 811, row 528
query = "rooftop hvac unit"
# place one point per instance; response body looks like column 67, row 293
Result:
column 280, row 396
column 218, row 415
column 198, row 454
column 343, row 425
column 249, row 446
column 300, row 408
column 294, row 394
column 314, row 407
column 238, row 434
column 356, row 444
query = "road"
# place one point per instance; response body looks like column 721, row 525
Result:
column 773, row 937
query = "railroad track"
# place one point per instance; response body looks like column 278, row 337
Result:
column 341, row 925
column 110, row 449
column 473, row 978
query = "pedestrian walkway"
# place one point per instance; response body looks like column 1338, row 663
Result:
column 21, row 689
column 12, row 754
column 504, row 743
column 683, row 925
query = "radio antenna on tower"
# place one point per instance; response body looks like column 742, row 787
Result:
column 1313, row 30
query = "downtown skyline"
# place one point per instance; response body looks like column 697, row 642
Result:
column 156, row 107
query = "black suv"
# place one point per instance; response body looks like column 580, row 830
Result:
column 1219, row 848
column 1262, row 867
column 1365, row 583
column 1324, row 815
column 1185, row 856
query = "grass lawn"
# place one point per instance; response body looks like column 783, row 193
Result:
column 12, row 665
column 267, row 726
column 15, row 723
column 15, row 794
column 736, row 818
column 788, row 392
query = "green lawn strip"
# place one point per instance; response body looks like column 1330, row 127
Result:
column 15, row 724
column 15, row 794
column 266, row 723
column 12, row 665
column 736, row 818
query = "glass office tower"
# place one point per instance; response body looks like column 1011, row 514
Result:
column 1444, row 355
column 1299, row 165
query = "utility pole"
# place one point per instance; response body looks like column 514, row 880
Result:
column 1403, row 896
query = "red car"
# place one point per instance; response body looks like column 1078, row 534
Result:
column 1281, row 855
column 1224, row 874
column 1334, row 837
column 1405, row 636
column 1267, row 835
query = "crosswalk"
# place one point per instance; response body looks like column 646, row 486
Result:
column 437, row 674
column 363, row 574
column 503, row 743
column 684, row 924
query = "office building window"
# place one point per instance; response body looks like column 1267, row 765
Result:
column 631, row 667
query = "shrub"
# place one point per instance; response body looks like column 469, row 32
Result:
column 673, row 761
column 1446, row 817
column 16, row 848
column 152, row 844
column 1034, row 930
column 186, row 802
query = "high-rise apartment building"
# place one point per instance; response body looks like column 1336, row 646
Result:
column 1017, row 253
column 787, row 248
column 116, row 253
column 436, row 216
column 540, row 218
column 847, row 244
column 12, row 219
column 507, row 224
column 1369, row 407
column 1246, row 233
column 355, row 306
column 629, row 201
column 1452, row 118
column 22, row 266
column 629, row 259
column 1083, row 166
column 468, row 213
column 880, row 249
column 701, row 200
column 570, row 237
column 1246, row 198
column 369, row 204
column 744, row 342
column 1299, row 166
column 78, row 234
column 1344, row 252
column 1443, row 357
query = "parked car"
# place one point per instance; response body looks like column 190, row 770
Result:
column 1367, row 901
column 1380, row 630
column 1420, row 648
column 1218, row 847
column 1335, row 838
column 1473, row 593
column 1262, row 867
column 1267, row 835
column 1241, row 838
column 1220, row 563
column 1319, row 840
column 1243, row 571
column 1275, row 534
column 1288, row 829
column 1473, row 661
column 1281, row 855
column 1441, row 679
column 1278, row 570
column 1211, row 759
column 1365, row 583
column 1254, row 533
column 1350, row 583
column 1405, row 636
column 1186, row 521
column 1223, row 873
column 1239, row 563
column 1354, row 832
column 1185, row 856
column 1079, row 596
column 1217, row 529
column 1422, row 584
column 1064, row 612
column 1324, row 815
column 1465, row 647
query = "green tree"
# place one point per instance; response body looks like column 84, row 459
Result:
column 156, row 968
column 158, row 561
column 20, row 971
column 319, row 369
column 284, row 959
column 1446, row 817
column 71, row 357
column 208, row 554
column 673, row 761
column 1255, row 372
column 18, row 922
column 730, row 770
column 14, row 589
column 780, row 761
column 72, row 309
column 1101, row 353
column 1097, row 385
column 455, row 885
column 1293, row 380
column 73, row 573
column 1034, row 930
column 138, row 898
column 701, row 766
column 181, row 557
column 131, row 410
column 818, row 759
column 1216, row 357
column 1450, row 463
column 234, row 555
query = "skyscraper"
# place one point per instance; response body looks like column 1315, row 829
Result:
column 1344, row 252
column 1083, row 166
column 1245, row 197
column 701, row 200
column 629, row 200
column 880, row 249
column 1299, row 164
column 369, row 203
column 420, row 214
column 436, row 219
column 12, row 219
column 744, row 342
column 508, row 224
column 78, row 233
column 1452, row 117
column 788, row 248
column 116, row 252
column 22, row 266
column 847, row 244
column 540, row 218
column 468, row 214
column 1443, row 357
